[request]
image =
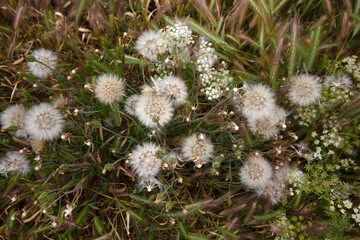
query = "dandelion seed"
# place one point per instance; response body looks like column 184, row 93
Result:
column 257, row 101
column 14, row 162
column 109, row 88
column 305, row 90
column 43, row 122
column 338, row 81
column 45, row 63
column 154, row 111
column 198, row 148
column 174, row 88
column 147, row 44
column 144, row 160
column 268, row 125
column 256, row 172
column 272, row 191
column 130, row 104
column 14, row 116
column 149, row 184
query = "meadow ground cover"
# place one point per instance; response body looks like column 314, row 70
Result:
column 179, row 119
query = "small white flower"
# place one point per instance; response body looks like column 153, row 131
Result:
column 43, row 122
column 257, row 101
column 347, row 203
column 273, row 191
column 305, row 90
column 174, row 88
column 147, row 44
column 197, row 148
column 130, row 103
column 154, row 111
column 68, row 210
column 14, row 162
column 144, row 160
column 14, row 116
column 109, row 88
column 45, row 63
column 256, row 172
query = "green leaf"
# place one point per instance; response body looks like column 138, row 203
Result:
column 268, row 216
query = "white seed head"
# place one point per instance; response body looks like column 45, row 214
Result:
column 44, row 122
column 154, row 111
column 197, row 148
column 305, row 90
column 273, row 191
column 256, row 172
column 144, row 160
column 147, row 44
column 130, row 104
column 257, row 101
column 14, row 116
column 45, row 63
column 149, row 184
column 268, row 125
column 14, row 162
column 338, row 81
column 286, row 174
column 174, row 88
column 109, row 88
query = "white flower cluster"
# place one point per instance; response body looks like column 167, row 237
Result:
column 206, row 56
column 176, row 40
column 352, row 65
column 345, row 207
column 346, row 164
column 214, row 82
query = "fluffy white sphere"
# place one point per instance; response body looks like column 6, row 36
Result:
column 305, row 90
column 14, row 162
column 144, row 160
column 147, row 44
column 272, row 191
column 268, row 125
column 45, row 63
column 130, row 103
column 286, row 174
column 14, row 116
column 43, row 122
column 109, row 88
column 257, row 101
column 198, row 148
column 154, row 111
column 256, row 172
column 174, row 88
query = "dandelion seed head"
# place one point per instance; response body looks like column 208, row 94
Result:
column 257, row 101
column 144, row 160
column 256, row 172
column 268, row 125
column 14, row 162
column 149, row 184
column 272, row 191
column 174, row 88
column 45, row 63
column 338, row 81
column 109, row 88
column 147, row 44
column 154, row 111
column 198, row 148
column 305, row 90
column 130, row 104
column 14, row 116
column 44, row 122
